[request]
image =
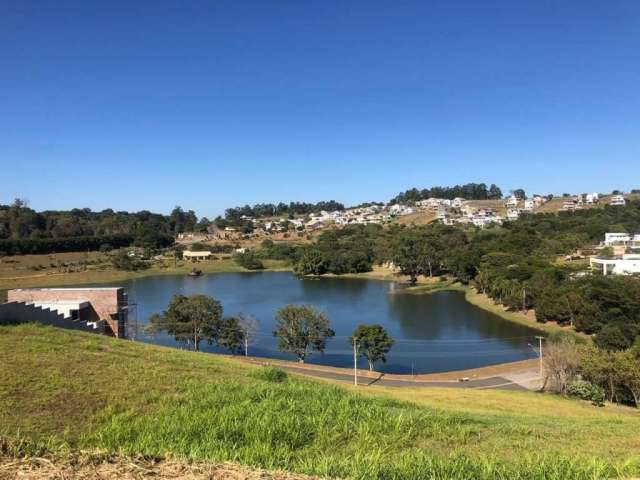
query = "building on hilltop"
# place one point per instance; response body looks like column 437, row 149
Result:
column 618, row 200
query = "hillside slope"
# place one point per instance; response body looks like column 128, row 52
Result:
column 93, row 392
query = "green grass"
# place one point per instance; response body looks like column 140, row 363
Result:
column 86, row 391
column 12, row 276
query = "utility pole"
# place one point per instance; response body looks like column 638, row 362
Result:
column 355, row 363
column 540, row 353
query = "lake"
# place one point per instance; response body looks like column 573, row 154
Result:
column 434, row 333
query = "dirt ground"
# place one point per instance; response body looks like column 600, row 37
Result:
column 87, row 466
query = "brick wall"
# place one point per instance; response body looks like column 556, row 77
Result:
column 105, row 303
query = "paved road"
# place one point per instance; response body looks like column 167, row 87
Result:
column 498, row 383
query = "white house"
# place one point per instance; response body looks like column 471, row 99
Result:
column 616, row 238
column 538, row 200
column 512, row 201
column 457, row 202
column 513, row 214
column 529, row 205
column 571, row 205
column 618, row 200
column 591, row 198
column 629, row 264
column 483, row 221
column 624, row 239
column 314, row 224
column 197, row 255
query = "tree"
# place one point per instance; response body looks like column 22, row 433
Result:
column 407, row 254
column 249, row 327
column 599, row 367
column 231, row 335
column 203, row 225
column 311, row 263
column 248, row 260
column 494, row 192
column 190, row 320
column 519, row 193
column 301, row 328
column 372, row 342
column 561, row 361
column 628, row 367
column 612, row 338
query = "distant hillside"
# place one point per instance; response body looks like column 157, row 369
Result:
column 554, row 205
column 120, row 396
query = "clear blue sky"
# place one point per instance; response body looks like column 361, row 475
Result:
column 210, row 104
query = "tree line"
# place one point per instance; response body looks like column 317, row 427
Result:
column 516, row 265
column 469, row 191
column 300, row 329
column 24, row 230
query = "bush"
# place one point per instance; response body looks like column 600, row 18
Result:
column 248, row 260
column 270, row 374
column 586, row 390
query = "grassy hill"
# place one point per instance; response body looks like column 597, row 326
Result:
column 92, row 392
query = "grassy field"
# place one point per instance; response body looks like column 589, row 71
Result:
column 92, row 392
column 65, row 269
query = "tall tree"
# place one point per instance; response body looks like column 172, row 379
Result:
column 372, row 342
column 407, row 254
column 249, row 326
column 231, row 335
column 301, row 329
column 190, row 320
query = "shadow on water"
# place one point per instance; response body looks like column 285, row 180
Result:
column 436, row 332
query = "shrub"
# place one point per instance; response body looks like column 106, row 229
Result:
column 586, row 390
column 270, row 374
column 248, row 260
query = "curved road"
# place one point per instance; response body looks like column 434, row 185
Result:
column 499, row 383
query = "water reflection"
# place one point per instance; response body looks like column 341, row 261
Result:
column 436, row 332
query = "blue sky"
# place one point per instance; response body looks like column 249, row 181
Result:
column 211, row 104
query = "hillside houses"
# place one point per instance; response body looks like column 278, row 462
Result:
column 623, row 261
column 572, row 204
column 512, row 202
column 591, row 198
column 624, row 239
column 618, row 200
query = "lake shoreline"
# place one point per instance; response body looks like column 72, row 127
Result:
column 427, row 286
column 424, row 286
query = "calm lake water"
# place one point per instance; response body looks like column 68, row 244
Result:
column 433, row 333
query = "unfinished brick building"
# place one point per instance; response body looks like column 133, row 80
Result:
column 103, row 308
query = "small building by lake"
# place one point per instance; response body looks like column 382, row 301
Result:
column 196, row 256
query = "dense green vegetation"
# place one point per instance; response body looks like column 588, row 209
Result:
column 470, row 191
column 28, row 246
column 516, row 264
column 25, row 231
column 95, row 392
column 248, row 260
